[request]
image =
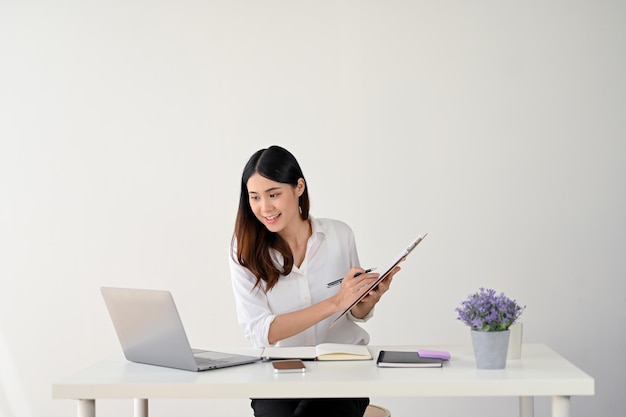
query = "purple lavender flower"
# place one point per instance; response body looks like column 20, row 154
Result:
column 489, row 312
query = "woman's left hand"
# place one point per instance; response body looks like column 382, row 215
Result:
column 369, row 301
column 382, row 287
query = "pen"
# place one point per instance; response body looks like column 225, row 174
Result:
column 337, row 282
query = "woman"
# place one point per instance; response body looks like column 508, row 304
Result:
column 281, row 262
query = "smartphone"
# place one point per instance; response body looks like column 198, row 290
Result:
column 290, row 365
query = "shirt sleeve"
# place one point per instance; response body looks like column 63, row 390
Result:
column 253, row 312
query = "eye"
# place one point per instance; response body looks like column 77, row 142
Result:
column 275, row 195
column 254, row 198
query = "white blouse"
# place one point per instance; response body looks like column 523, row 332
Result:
column 330, row 253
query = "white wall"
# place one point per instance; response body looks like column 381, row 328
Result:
column 497, row 126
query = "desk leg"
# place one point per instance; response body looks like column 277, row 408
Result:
column 526, row 406
column 86, row 408
column 141, row 407
column 561, row 406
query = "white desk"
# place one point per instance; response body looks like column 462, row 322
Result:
column 540, row 372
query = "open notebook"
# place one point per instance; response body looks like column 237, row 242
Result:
column 321, row 352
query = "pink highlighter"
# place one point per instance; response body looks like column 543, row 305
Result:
column 439, row 354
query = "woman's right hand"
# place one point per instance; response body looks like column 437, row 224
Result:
column 352, row 287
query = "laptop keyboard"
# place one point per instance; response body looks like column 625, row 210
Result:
column 210, row 362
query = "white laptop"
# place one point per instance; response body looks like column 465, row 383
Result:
column 150, row 330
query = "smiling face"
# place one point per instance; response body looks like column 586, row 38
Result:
column 275, row 204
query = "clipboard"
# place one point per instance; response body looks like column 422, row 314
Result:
column 383, row 275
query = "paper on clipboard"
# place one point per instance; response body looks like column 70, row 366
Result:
column 383, row 275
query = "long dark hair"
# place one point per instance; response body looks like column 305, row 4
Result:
column 254, row 241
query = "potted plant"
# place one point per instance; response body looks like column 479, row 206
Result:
column 489, row 316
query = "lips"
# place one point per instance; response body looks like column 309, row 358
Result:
column 272, row 219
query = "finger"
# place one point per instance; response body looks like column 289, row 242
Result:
column 356, row 270
column 365, row 281
column 383, row 286
column 372, row 297
column 395, row 271
column 386, row 283
column 348, row 279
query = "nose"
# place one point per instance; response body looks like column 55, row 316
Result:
column 266, row 204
